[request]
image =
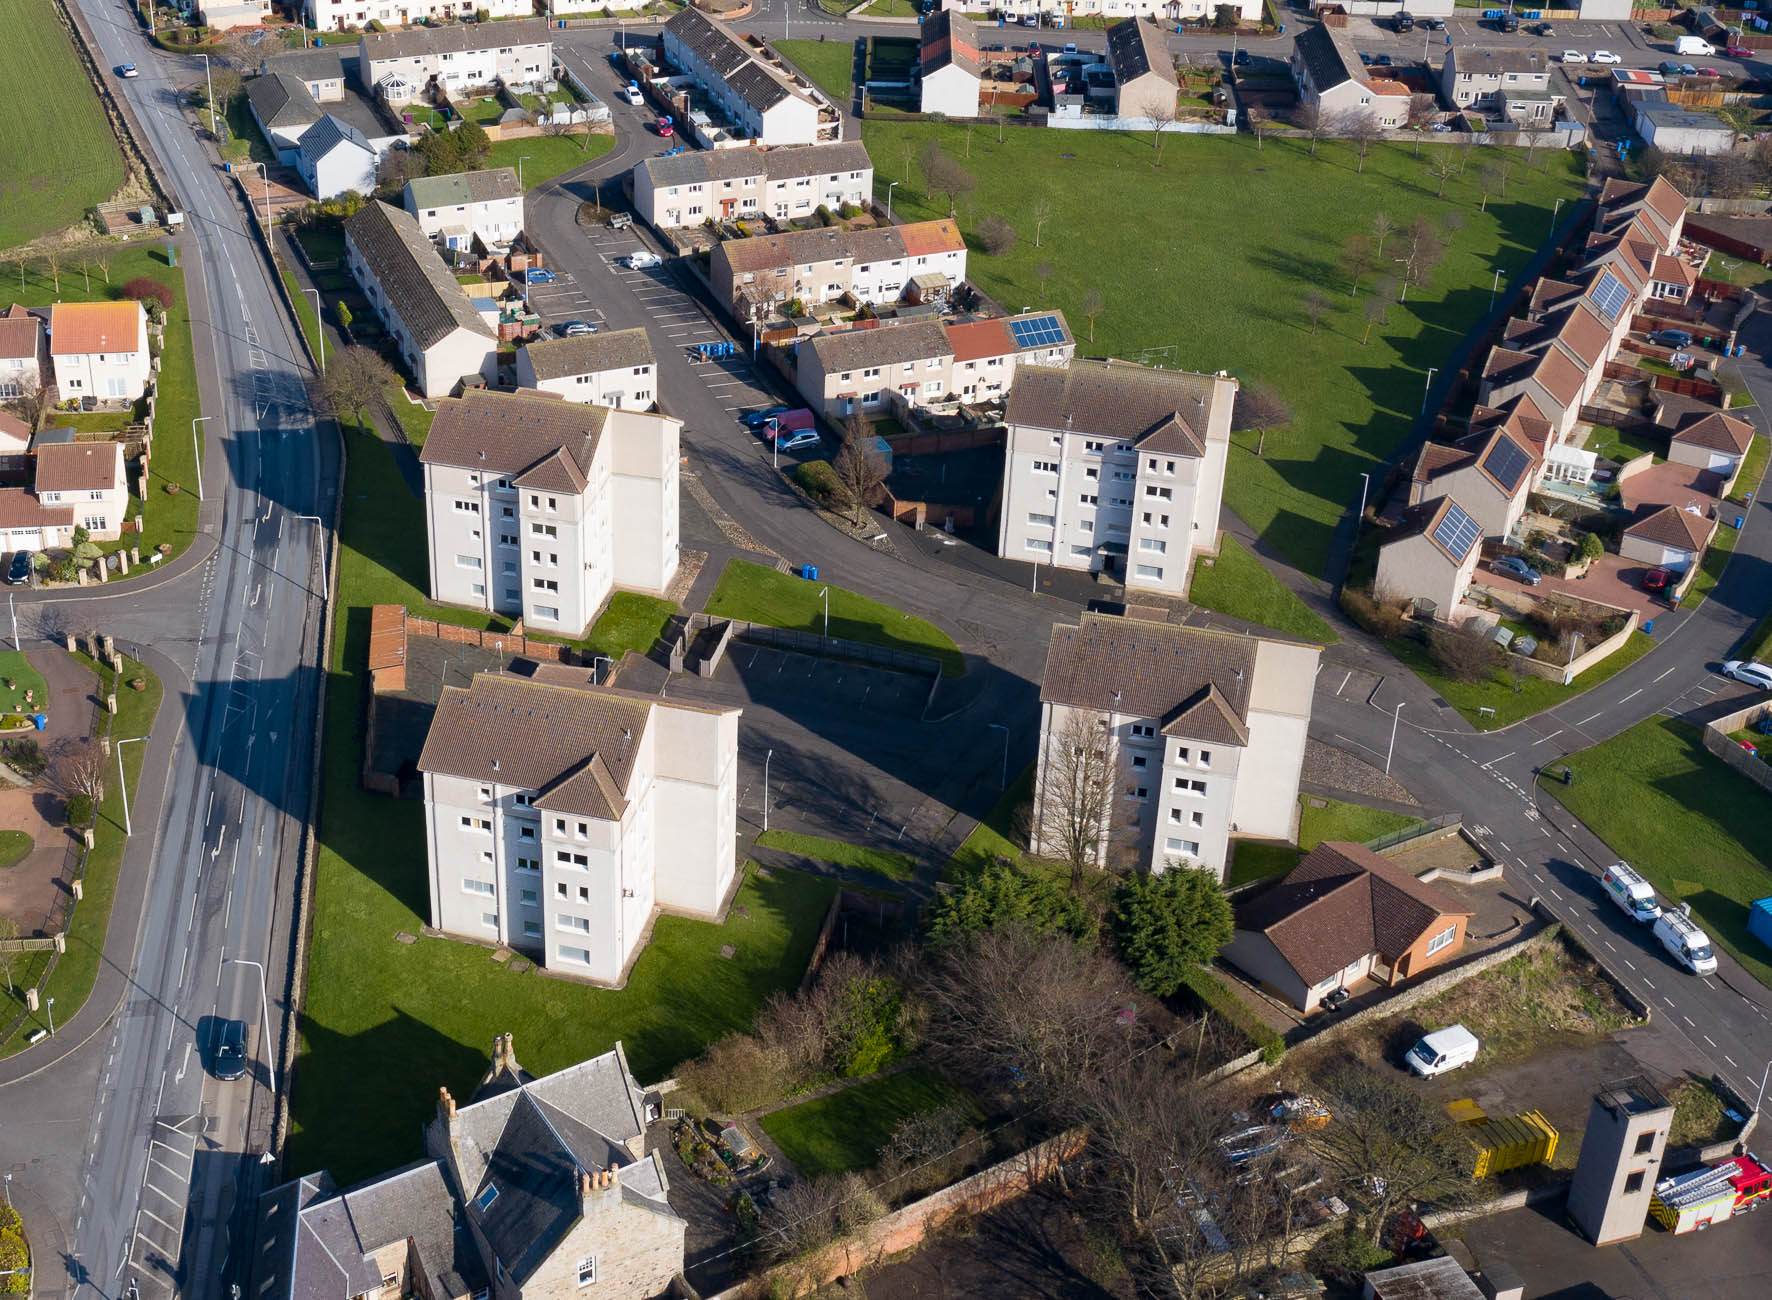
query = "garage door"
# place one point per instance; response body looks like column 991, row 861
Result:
column 1721, row 461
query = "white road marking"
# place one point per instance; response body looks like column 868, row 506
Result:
column 1589, row 718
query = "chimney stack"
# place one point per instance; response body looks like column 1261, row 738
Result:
column 511, row 1053
column 446, row 1107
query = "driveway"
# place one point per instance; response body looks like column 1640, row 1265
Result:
column 1610, row 580
column 1672, row 484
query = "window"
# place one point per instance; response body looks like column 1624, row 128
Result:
column 1088, row 499
column 1045, row 467
column 1151, row 571
column 486, row 856
column 1162, row 494
column 523, row 800
column 1194, row 788
column 532, row 929
column 1144, row 730
column 489, row 920
column 1645, row 1143
column 1035, row 544
column 1181, row 753
column 1036, row 520
column 486, row 792
column 1152, row 544
column 468, row 507
column 544, row 584
column 581, row 830
column 1633, row 1183
column 587, row 1270
column 528, row 864
column 1137, row 792
column 475, row 824
column 1197, row 819
column 1139, row 762
column 1205, row 758
column 547, row 613
column 580, row 956
column 530, row 897
column 544, row 530
column 573, row 924
column 1442, row 939
column 467, row 561
column 483, row 1202
column 481, row 887
column 564, row 859
column 560, row 890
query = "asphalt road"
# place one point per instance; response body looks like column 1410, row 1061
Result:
column 135, row 1150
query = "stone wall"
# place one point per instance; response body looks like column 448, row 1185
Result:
column 1566, row 673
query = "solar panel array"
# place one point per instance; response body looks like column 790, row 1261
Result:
column 1610, row 296
column 1457, row 532
column 1506, row 462
column 1037, row 332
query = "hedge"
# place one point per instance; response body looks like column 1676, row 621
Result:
column 1210, row 991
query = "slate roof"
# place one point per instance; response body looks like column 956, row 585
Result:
column 1498, row 61
column 281, row 100
column 1341, row 903
column 78, row 467
column 1135, row 47
column 463, row 187
column 948, row 36
column 1672, row 526
column 330, row 133
column 322, row 63
column 1118, row 400
column 732, row 59
column 454, row 38
column 795, row 248
column 405, row 263
column 1328, row 56
column 1718, row 432
column 1195, row 681
column 699, row 166
column 590, row 353
column 886, row 346
column 511, row 433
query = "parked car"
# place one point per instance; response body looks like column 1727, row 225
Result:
column 757, row 419
column 784, row 426
column 1512, row 566
column 664, row 128
column 574, row 329
column 230, row 1050
column 1336, row 1000
column 1403, row 22
column 1687, row 70
column 1434, row 24
column 801, row 441
column 1669, row 68
column 1739, row 52
column 127, row 70
column 1381, row 61
column 1241, row 58
column 1672, row 338
column 1365, row 58
column 631, row 93
column 1545, row 29
column 1709, row 72
column 1657, row 579
column 1751, row 671
column 1603, row 56
column 19, row 571
column 537, row 275
column 641, row 260
column 1574, row 56
column 620, row 220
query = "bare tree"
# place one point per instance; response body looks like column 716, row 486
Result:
column 907, row 149
column 1422, row 110
column 1462, row 653
column 1042, row 273
column 945, row 176
column 1489, row 179
column 1363, row 131
column 1378, row 305
column 1073, row 812
column 1158, row 108
column 8, row 957
column 1091, row 307
column 1040, row 213
column 1260, row 407
column 859, row 468
column 77, row 768
column 1382, row 229
column 971, row 126
column 1422, row 251
column 1443, row 169
column 814, row 1212
column 102, row 260
column 1451, row 222
column 1358, row 258
column 53, row 257
column 356, row 379
column 1316, row 302
column 1315, row 122
column 997, row 235
column 86, row 271
column 998, row 119
column 32, row 400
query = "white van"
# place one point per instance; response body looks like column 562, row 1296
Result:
column 1631, row 892
column 1685, row 942
column 1442, row 1050
column 1694, row 45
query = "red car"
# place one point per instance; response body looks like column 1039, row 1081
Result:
column 1657, row 580
column 1709, row 72
column 663, row 127
column 1739, row 52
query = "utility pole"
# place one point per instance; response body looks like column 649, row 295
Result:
column 766, row 758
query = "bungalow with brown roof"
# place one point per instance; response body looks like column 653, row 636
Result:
column 1344, row 915
column 1430, row 555
column 1667, row 537
column 1714, row 442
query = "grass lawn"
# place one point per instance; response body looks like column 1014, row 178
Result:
column 304, row 313
column 1615, row 444
column 632, row 622
column 414, row 417
column 13, row 847
column 1256, row 859
column 71, row 981
column 829, row 64
column 847, row 1130
column 884, row 862
column 893, row 9
column 16, row 677
column 1244, row 271
column 994, row 837
column 545, row 157
column 322, row 241
column 1736, row 270
column 246, row 143
column 1535, row 694
column 1716, row 559
column 1235, row 583
column 1690, row 823
column 435, row 1006
column 1753, row 469
column 759, row 594
column 57, row 152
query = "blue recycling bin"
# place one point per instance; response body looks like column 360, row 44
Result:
column 1738, row 521
column 1649, row 627
column 40, row 721
column 809, row 572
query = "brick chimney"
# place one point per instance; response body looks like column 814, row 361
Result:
column 446, row 1110
column 498, row 1057
column 511, row 1053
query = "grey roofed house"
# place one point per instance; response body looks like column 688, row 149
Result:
column 1328, row 57
column 790, row 163
column 948, row 36
column 405, row 263
column 328, row 134
column 1115, row 399
column 1135, row 47
column 1498, row 61
column 588, row 353
column 516, row 434
column 455, row 38
column 735, row 61
column 1196, row 681
column 464, row 187
column 886, row 346
column 281, row 100
column 322, row 63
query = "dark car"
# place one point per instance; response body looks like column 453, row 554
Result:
column 757, row 419
column 1365, row 58
column 1672, row 338
column 1381, row 60
column 1512, row 566
column 1657, row 580
column 1545, row 29
column 1336, row 1000
column 1403, row 21
column 1241, row 58
column 19, row 571
column 1434, row 24
column 230, row 1050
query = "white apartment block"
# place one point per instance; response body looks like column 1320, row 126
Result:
column 723, row 184
column 337, row 15
column 610, row 368
column 537, row 508
column 87, row 479
column 559, row 818
column 401, row 66
column 924, row 260
column 765, row 102
column 1168, row 11
column 1115, row 469
column 1204, row 730
column 100, row 349
column 456, row 209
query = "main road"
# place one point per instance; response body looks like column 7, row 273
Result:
column 135, row 1153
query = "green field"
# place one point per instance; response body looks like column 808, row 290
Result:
column 758, row 594
column 830, row 64
column 631, row 622
column 1691, row 824
column 1205, row 263
column 13, row 847
column 545, row 157
column 846, row 1130
column 17, row 677
column 57, row 153
column 1507, row 701
column 883, row 862
column 1235, row 583
column 433, row 1007
column 1254, row 860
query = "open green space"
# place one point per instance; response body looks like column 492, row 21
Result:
column 57, row 152
column 1714, row 561
column 632, row 621
column 71, row 981
column 997, row 835
column 1499, row 700
column 847, row 1130
column 16, row 678
column 829, row 64
column 884, row 862
column 1234, row 582
column 1694, row 826
column 545, row 157
column 13, row 847
column 245, row 143
column 1618, row 445
column 1753, row 469
column 434, row 1006
column 1736, row 270
column 758, row 594
column 1245, row 269
column 415, row 418
column 1257, row 859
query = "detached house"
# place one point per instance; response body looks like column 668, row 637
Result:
column 87, row 479
column 537, row 508
column 1667, row 537
column 1204, row 730
column 1333, row 83
column 441, row 336
column 335, row 158
column 1145, row 84
column 1430, row 556
column 688, row 189
column 100, row 350
column 1344, row 915
column 534, row 1188
column 559, row 818
column 21, row 352
column 457, row 209
column 1112, row 468
column 612, row 368
column 950, row 64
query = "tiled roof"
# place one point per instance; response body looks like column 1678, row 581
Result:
column 976, row 339
column 78, row 466
column 735, row 61
column 1547, row 294
column 888, row 345
column 1196, row 681
column 1436, row 458
column 281, row 100
column 1495, row 61
column 1674, row 270
column 1328, row 57
column 1672, row 526
column 20, row 333
column 1341, row 903
column 15, row 434
column 20, row 508
column 1560, row 377
column 1583, row 333
column 454, row 38
column 949, row 37
column 510, row 433
column 322, row 63
column 1718, row 432
column 85, row 328
column 405, row 263
column 923, row 238
column 589, row 353
column 463, row 187
column 1114, row 399
column 1422, row 521
column 699, row 166
column 795, row 248
column 1135, row 47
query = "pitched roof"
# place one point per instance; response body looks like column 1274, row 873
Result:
column 1673, row 270
column 924, row 238
column 15, row 434
column 1424, row 520
column 1343, row 902
column 405, row 263
column 20, row 334
column 1583, row 333
column 1437, row 458
column 322, row 63
column 1719, row 432
column 509, row 433
column 331, row 133
column 949, row 37
column 1135, row 47
column 1672, row 526
column 1328, row 56
column 78, row 466
column 794, row 248
column 886, row 346
column 792, row 162
column 1559, row 376
column 1547, row 294
column 463, row 187
column 974, row 339
column 1196, row 681
column 732, row 58
column 589, row 353
column 279, row 99
column 82, row 328
column 1115, row 399
column 21, row 508
column 454, row 38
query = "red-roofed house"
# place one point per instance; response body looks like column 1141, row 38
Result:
column 1667, row 537
column 100, row 349
column 1716, row 442
column 88, row 479
column 21, row 345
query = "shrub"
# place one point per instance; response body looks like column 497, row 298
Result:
column 867, row 1030
column 817, row 480
column 143, row 289
column 79, row 811
column 375, row 25
column 25, row 755
column 736, row 1073
column 997, row 235
column 1380, row 616
column 1003, row 892
column 1167, row 925
column 1461, row 654
column 1591, row 546
column 824, row 215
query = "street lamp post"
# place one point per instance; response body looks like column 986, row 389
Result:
column 265, row 172
column 1494, row 288
column 1757, row 1100
column 13, row 610
column 525, row 158
column 889, row 189
column 325, row 574
column 1554, row 210
column 123, row 782
column 319, row 330
column 1002, row 781
column 211, row 82
column 766, row 758
column 1365, row 485
column 8, row 1186
column 1574, row 641
column 826, row 594
column 52, row 1017
column 1393, row 745
column 1428, row 387
column 264, row 1005
column 196, row 454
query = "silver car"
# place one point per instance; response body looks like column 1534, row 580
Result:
column 1750, row 671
